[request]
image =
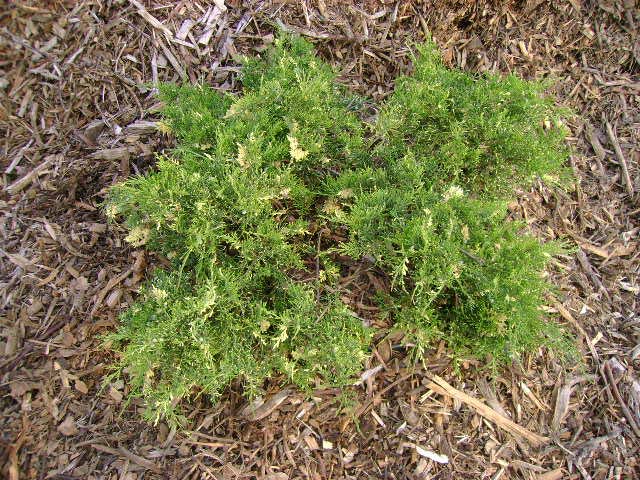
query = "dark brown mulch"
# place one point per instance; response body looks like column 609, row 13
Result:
column 73, row 110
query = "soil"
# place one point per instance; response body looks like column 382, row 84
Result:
column 76, row 114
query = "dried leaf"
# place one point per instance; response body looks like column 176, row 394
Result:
column 68, row 427
column 81, row 386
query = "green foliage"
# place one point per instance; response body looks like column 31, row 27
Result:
column 422, row 192
column 228, row 208
column 487, row 134
column 458, row 269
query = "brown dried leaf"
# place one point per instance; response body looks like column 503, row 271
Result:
column 19, row 388
column 81, row 386
column 68, row 427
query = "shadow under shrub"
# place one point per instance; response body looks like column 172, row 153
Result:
column 422, row 191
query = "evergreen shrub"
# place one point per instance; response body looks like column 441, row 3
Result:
column 422, row 190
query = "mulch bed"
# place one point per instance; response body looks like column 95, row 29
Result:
column 76, row 112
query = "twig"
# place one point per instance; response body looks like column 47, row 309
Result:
column 587, row 446
column 363, row 409
column 590, row 271
column 123, row 452
column 491, row 398
column 23, row 43
column 318, row 265
column 585, row 449
column 313, row 34
column 27, row 349
column 440, row 386
column 23, row 182
column 16, row 160
column 621, row 159
column 597, row 147
column 616, row 393
column 566, row 314
column 472, row 256
column 255, row 412
column 110, row 285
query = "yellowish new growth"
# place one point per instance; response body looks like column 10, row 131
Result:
column 138, row 236
column 242, row 156
column 296, row 152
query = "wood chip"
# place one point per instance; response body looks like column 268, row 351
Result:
column 153, row 21
column 174, row 63
column 311, row 442
column 142, row 127
column 562, row 400
column 185, row 28
column 436, row 457
column 20, row 261
column 613, row 386
column 112, row 154
column 260, row 409
column 556, row 474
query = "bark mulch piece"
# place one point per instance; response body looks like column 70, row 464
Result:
column 77, row 109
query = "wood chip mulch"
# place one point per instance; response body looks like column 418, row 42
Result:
column 76, row 114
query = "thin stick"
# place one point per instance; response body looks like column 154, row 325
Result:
column 23, row 182
column 16, row 160
column 616, row 393
column 123, row 452
column 590, row 271
column 621, row 159
column 440, row 386
column 597, row 147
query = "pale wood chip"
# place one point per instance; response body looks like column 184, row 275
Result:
column 491, row 398
column 142, row 127
column 538, row 403
column 110, row 284
column 174, row 62
column 111, row 154
column 20, row 261
column 153, row 21
column 184, row 29
column 261, row 409
column 18, row 157
column 436, row 457
column 68, row 427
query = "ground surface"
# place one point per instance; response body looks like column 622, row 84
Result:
column 73, row 113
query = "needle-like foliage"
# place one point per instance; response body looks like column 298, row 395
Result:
column 230, row 208
column 486, row 134
column 459, row 270
column 422, row 192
